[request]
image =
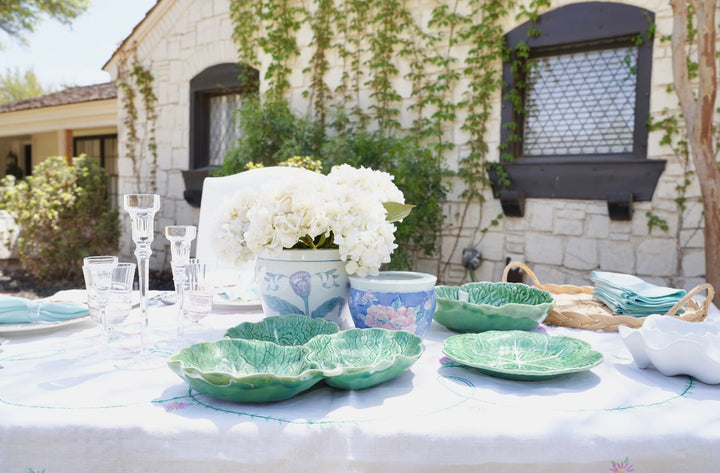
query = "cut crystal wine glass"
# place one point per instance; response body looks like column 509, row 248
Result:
column 142, row 209
column 180, row 237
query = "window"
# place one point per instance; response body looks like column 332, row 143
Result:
column 215, row 94
column 104, row 147
column 580, row 131
column 581, row 103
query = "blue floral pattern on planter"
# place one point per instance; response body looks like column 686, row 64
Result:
column 306, row 282
column 411, row 311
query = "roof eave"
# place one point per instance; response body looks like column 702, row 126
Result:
column 152, row 17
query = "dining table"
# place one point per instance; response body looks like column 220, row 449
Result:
column 66, row 408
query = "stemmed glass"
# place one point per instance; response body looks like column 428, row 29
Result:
column 142, row 209
column 197, row 294
column 180, row 237
column 98, row 271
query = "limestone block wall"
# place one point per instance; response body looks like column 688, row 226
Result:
column 562, row 240
column 179, row 41
column 8, row 235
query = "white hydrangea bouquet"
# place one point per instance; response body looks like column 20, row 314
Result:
column 351, row 209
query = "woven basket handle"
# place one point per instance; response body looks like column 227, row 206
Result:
column 523, row 266
column 691, row 293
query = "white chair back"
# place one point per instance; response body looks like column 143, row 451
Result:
column 217, row 189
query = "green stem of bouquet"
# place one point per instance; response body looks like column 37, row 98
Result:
column 322, row 241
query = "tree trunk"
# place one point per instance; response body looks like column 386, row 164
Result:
column 698, row 107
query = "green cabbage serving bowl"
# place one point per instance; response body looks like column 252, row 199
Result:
column 482, row 306
column 246, row 370
column 363, row 358
column 283, row 329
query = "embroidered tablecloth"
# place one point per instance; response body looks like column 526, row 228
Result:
column 63, row 409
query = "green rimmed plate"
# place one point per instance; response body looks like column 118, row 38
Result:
column 482, row 306
column 363, row 358
column 520, row 355
column 246, row 370
column 284, row 330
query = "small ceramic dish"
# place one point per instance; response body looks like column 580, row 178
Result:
column 282, row 329
column 246, row 370
column 365, row 357
column 395, row 300
column 520, row 355
column 482, row 306
column 676, row 346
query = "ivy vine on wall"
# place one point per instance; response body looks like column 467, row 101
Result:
column 136, row 82
column 366, row 37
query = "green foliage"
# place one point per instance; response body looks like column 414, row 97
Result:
column 273, row 134
column 367, row 37
column 16, row 86
column 282, row 19
column 18, row 17
column 655, row 221
column 63, row 214
column 418, row 174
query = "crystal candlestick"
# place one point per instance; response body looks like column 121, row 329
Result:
column 142, row 209
column 180, row 237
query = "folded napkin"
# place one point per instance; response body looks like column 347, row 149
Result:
column 629, row 295
column 18, row 310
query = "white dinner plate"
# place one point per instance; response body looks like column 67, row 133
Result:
column 9, row 328
column 232, row 289
column 221, row 302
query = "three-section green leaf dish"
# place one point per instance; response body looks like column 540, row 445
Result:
column 279, row 357
column 520, row 355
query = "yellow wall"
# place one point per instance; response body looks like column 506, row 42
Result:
column 44, row 145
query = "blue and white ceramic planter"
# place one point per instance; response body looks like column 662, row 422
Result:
column 309, row 282
column 396, row 300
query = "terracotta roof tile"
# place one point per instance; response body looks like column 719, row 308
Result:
column 87, row 93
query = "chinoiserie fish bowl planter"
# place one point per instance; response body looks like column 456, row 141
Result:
column 396, row 300
column 308, row 282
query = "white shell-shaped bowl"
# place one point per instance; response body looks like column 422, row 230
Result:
column 676, row 346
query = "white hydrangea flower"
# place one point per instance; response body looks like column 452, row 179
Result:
column 346, row 205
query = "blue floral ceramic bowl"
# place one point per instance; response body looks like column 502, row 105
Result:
column 395, row 300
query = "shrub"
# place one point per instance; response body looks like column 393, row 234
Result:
column 272, row 134
column 418, row 174
column 63, row 213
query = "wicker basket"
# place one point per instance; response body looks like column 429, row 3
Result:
column 576, row 307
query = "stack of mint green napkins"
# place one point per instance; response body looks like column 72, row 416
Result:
column 626, row 294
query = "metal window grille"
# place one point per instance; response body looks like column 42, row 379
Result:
column 224, row 132
column 581, row 103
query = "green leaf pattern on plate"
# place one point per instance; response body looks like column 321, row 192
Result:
column 521, row 355
column 283, row 330
column 246, row 370
column 365, row 357
column 499, row 294
column 481, row 306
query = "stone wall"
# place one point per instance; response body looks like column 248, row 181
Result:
column 562, row 240
column 188, row 37
column 8, row 235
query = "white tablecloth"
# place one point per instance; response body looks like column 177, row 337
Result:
column 61, row 411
